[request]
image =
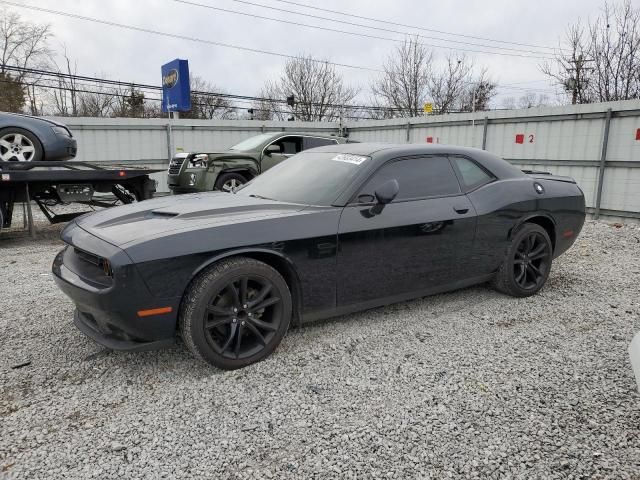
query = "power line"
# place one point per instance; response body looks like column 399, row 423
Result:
column 177, row 36
column 124, row 95
column 145, row 30
column 388, row 22
column 365, row 35
column 158, row 88
column 154, row 88
column 247, row 2
column 238, row 98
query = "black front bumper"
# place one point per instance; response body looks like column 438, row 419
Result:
column 88, row 325
column 110, row 315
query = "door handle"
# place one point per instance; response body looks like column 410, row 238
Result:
column 460, row 209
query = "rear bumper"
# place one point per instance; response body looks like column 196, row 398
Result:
column 110, row 315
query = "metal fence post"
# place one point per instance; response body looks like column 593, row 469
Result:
column 408, row 131
column 32, row 229
column 169, row 152
column 602, row 166
column 484, row 133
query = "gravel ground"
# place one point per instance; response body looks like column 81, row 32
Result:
column 465, row 384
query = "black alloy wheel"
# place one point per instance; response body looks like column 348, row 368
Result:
column 243, row 317
column 531, row 262
column 527, row 264
column 236, row 313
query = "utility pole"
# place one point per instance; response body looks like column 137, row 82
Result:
column 577, row 82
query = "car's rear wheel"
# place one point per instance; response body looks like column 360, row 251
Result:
column 235, row 313
column 228, row 182
column 18, row 145
column 527, row 263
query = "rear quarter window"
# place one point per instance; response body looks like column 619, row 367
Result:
column 471, row 174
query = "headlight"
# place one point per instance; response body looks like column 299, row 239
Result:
column 199, row 161
column 62, row 131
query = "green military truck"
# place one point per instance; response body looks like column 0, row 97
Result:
column 201, row 172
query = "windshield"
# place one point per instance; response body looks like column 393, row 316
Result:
column 252, row 143
column 309, row 178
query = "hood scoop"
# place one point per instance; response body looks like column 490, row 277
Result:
column 164, row 213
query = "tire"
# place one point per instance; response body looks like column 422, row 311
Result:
column 228, row 339
column 228, row 181
column 527, row 264
column 19, row 145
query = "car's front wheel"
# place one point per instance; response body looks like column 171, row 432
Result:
column 18, row 145
column 235, row 313
column 228, row 182
column 527, row 264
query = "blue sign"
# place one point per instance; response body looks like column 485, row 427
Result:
column 176, row 91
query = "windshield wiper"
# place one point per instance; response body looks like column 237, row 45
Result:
column 260, row 196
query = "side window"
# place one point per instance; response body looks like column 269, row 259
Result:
column 417, row 177
column 289, row 145
column 472, row 174
column 312, row 142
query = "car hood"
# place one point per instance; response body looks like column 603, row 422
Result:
column 138, row 222
column 234, row 154
column 41, row 119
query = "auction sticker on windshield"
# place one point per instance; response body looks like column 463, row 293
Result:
column 348, row 158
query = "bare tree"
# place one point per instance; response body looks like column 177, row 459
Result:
column 457, row 89
column 409, row 81
column 152, row 109
column 405, row 83
column 509, row 103
column 128, row 102
column 570, row 69
column 205, row 104
column 528, row 100
column 264, row 109
column 64, row 99
column 96, row 100
column 615, row 50
column 447, row 87
column 531, row 100
column 478, row 93
column 22, row 45
column 601, row 62
column 318, row 91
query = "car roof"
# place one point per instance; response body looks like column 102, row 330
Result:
column 381, row 152
column 304, row 134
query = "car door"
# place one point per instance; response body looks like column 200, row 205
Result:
column 493, row 222
column 418, row 243
column 289, row 146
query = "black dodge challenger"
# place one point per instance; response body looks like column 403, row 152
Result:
column 329, row 231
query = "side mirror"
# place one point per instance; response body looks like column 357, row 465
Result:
column 271, row 149
column 384, row 195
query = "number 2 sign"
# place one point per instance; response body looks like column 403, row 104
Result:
column 520, row 138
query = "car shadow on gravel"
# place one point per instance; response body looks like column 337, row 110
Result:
column 298, row 341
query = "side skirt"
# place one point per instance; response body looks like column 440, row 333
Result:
column 403, row 297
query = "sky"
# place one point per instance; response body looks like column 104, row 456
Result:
column 133, row 56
